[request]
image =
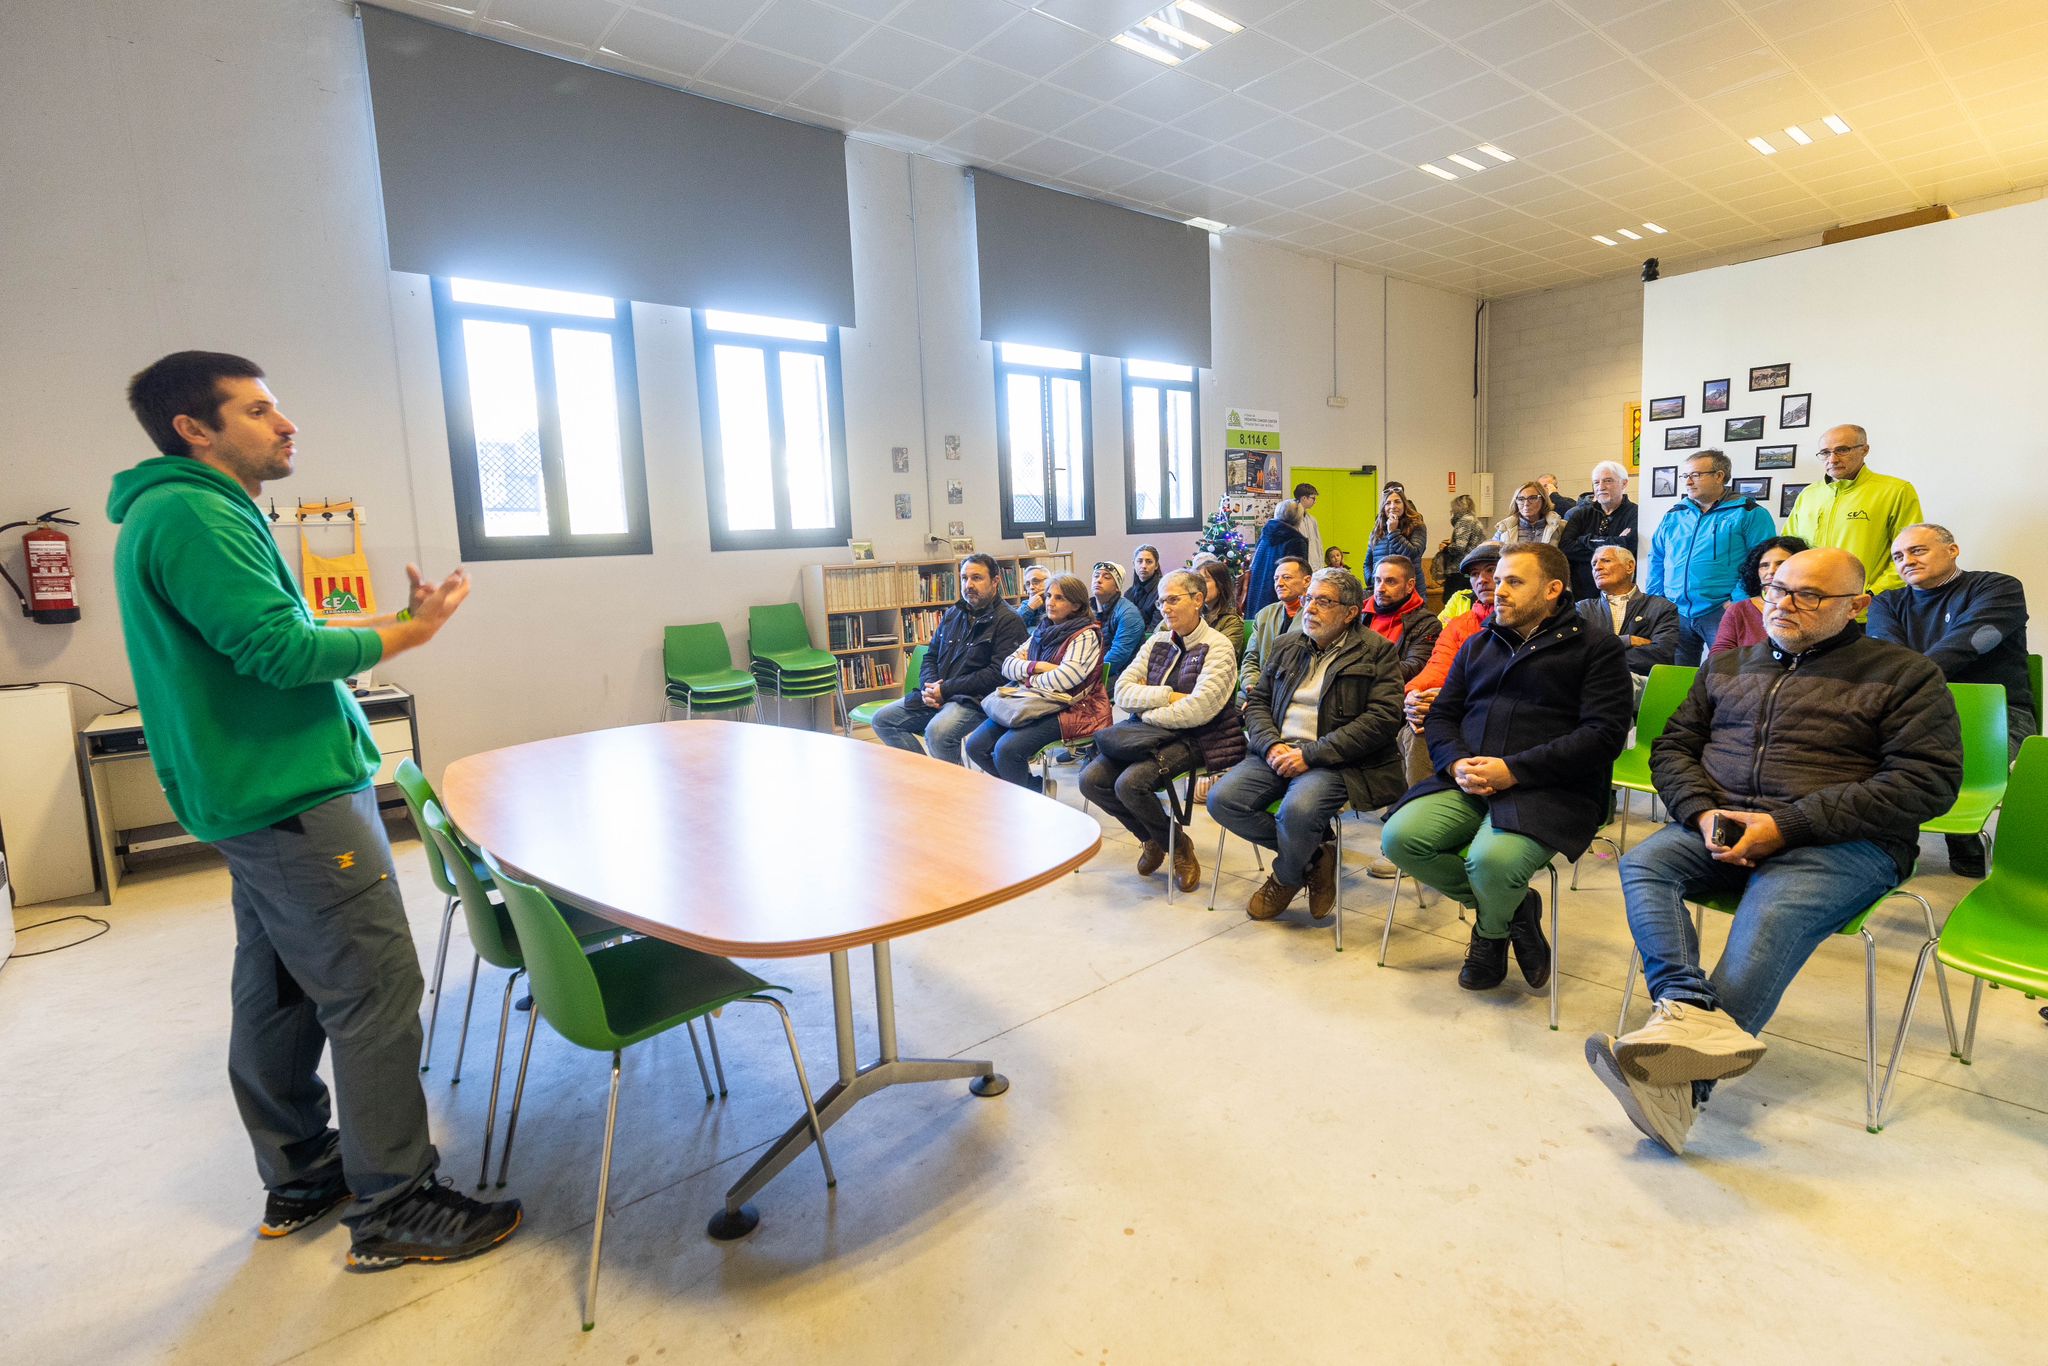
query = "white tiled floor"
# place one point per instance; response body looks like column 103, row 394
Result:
column 1222, row 1142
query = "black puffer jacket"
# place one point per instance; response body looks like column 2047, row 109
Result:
column 967, row 653
column 1357, row 712
column 1857, row 739
column 1556, row 708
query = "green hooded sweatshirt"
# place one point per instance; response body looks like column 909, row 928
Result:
column 246, row 717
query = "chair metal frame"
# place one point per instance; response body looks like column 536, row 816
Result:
column 1337, row 910
column 1556, row 975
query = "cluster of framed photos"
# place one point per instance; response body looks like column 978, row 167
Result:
column 1794, row 411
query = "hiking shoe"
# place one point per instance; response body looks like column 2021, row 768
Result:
column 436, row 1223
column 1150, row 857
column 1273, row 897
column 289, row 1212
column 1187, row 869
column 1525, row 932
column 1486, row 963
column 1685, row 1043
column 1665, row 1114
column 1322, row 882
column 1382, row 867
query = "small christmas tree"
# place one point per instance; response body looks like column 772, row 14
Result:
column 1222, row 538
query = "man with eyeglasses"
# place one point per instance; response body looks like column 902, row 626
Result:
column 1854, row 508
column 1973, row 624
column 1695, row 559
column 1797, row 773
column 1319, row 726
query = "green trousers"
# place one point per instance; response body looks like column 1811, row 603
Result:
column 1447, row 841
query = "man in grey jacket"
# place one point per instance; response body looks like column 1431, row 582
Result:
column 1320, row 724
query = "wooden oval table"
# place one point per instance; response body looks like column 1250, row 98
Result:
column 752, row 841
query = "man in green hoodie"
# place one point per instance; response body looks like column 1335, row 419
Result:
column 263, row 752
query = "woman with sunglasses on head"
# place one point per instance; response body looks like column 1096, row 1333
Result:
column 1533, row 521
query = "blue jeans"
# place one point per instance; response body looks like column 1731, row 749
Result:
column 1696, row 635
column 1791, row 903
column 1006, row 750
column 899, row 726
column 1308, row 803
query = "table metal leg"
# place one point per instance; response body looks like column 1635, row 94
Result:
column 855, row 1082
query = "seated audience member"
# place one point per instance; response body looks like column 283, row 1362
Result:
column 1644, row 622
column 1818, row 758
column 1607, row 518
column 1742, row 625
column 962, row 666
column 1533, row 522
column 1319, row 729
column 1123, row 629
column 1219, row 606
column 1181, row 693
column 1397, row 611
column 1290, row 581
column 1398, row 530
column 1143, row 592
column 1280, row 538
column 1973, row 624
column 1063, row 655
column 1523, row 737
column 1031, row 600
column 1699, row 545
column 1854, row 508
column 1333, row 558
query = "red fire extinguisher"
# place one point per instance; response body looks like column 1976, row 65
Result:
column 51, row 597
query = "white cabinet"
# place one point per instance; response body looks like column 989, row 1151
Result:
column 42, row 806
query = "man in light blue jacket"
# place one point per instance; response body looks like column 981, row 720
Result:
column 1695, row 558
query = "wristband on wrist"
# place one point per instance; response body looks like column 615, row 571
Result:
column 404, row 614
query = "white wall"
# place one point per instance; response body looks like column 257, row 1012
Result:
column 203, row 175
column 1933, row 338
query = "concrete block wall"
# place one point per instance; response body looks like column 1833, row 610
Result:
column 1560, row 365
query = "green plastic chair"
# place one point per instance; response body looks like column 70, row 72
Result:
column 700, row 673
column 616, row 997
column 417, row 791
column 1982, row 710
column 1998, row 932
column 492, row 936
column 1665, row 688
column 785, row 662
column 913, row 674
column 2034, row 678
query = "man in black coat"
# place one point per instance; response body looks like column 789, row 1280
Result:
column 963, row 665
column 1523, row 737
column 1607, row 518
column 1797, row 773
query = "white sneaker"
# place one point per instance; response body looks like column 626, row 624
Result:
column 1685, row 1042
column 1665, row 1114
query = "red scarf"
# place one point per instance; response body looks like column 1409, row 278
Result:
column 1389, row 624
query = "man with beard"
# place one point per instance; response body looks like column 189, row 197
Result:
column 963, row 665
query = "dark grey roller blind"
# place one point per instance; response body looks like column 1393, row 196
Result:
column 501, row 164
column 1060, row 270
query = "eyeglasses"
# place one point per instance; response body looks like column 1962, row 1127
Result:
column 1326, row 601
column 1178, row 597
column 1807, row 599
column 1825, row 451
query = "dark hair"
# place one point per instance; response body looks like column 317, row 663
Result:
column 1304, row 490
column 184, row 383
column 1218, row 573
column 1407, row 565
column 1408, row 515
column 1548, row 557
column 1070, row 587
column 1306, row 568
column 986, row 561
column 1751, row 575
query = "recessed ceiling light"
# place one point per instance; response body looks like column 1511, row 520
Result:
column 1145, row 49
column 1496, row 153
column 1439, row 172
column 1757, row 143
column 1653, row 227
column 1207, row 16
column 1798, row 134
column 1207, row 224
column 1605, row 241
column 1631, row 236
column 1168, row 31
column 1467, row 162
column 1835, row 122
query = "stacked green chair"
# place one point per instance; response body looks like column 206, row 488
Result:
column 701, row 677
column 913, row 675
column 616, row 997
column 417, row 791
column 784, row 660
column 1997, row 933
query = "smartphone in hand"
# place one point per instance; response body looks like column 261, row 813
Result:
column 1727, row 833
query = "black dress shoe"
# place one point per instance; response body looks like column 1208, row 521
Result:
column 1966, row 856
column 1525, row 932
column 1486, row 963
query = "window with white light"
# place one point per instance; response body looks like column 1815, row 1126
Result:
column 1044, row 449
column 543, row 421
column 774, row 431
column 1162, row 448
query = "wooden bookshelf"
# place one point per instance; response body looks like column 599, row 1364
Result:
column 901, row 602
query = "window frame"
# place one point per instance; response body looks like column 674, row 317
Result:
column 1012, row 528
column 558, row 542
column 706, row 338
column 1134, row 525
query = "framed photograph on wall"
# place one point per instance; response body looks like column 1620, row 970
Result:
column 1034, row 540
column 1795, row 410
column 1776, row 457
column 1743, row 429
column 1664, row 481
column 1714, row 396
column 1770, row 377
column 1667, row 409
column 1755, row 486
column 1788, row 494
column 1681, row 438
column 862, row 550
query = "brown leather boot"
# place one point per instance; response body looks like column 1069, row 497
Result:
column 1187, row 869
column 1273, row 897
column 1322, row 882
column 1150, row 857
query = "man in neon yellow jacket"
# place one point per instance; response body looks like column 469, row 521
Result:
column 1854, row 508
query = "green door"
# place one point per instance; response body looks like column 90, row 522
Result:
column 1346, row 504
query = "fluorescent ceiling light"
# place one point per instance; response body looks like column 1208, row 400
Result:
column 1653, row 227
column 1631, row 236
column 1467, row 162
column 1605, row 241
column 1757, row 143
column 1835, row 122
column 1168, row 31
column 1144, row 49
column 1496, row 153
column 1207, row 224
column 1208, row 16
column 1798, row 134
column 1439, row 172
